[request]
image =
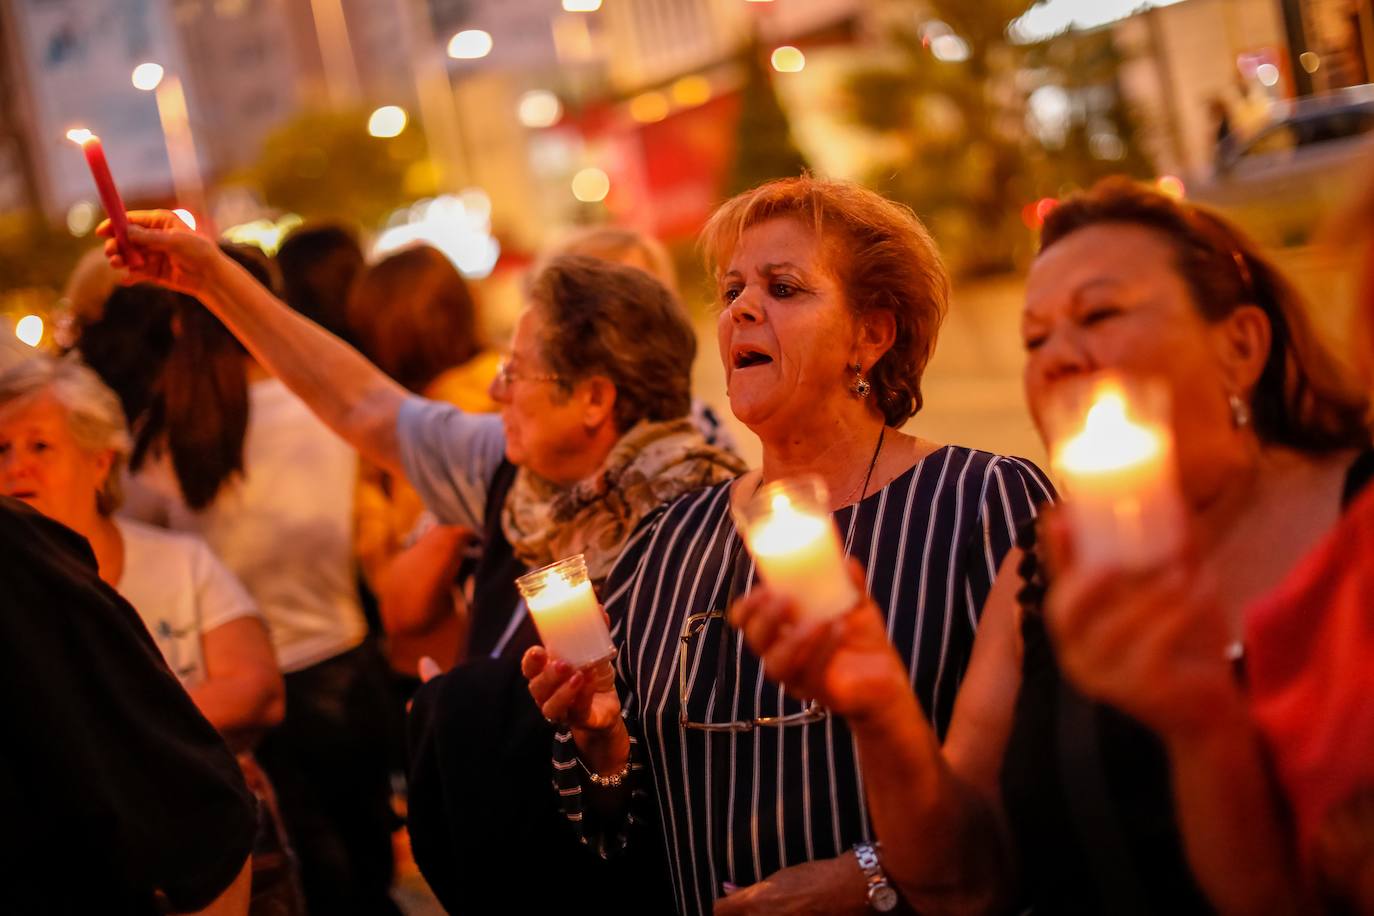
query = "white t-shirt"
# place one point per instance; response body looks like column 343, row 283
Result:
column 181, row 591
column 285, row 527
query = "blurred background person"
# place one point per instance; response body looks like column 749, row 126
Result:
column 318, row 265
column 128, row 342
column 64, row 443
column 227, row 452
column 621, row 245
column 413, row 315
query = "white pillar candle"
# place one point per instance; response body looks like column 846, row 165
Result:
column 1120, row 492
column 566, row 613
column 792, row 535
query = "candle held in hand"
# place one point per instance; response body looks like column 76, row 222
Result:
column 1118, row 476
column 565, row 612
column 792, row 536
column 105, row 187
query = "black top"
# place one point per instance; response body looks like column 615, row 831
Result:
column 483, row 815
column 114, row 787
column 496, row 628
column 1086, row 788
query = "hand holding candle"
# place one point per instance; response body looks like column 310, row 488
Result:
column 1116, row 464
column 792, row 536
column 566, row 614
column 109, row 194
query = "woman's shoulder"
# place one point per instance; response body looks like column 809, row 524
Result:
column 991, row 473
column 163, row 543
column 660, row 533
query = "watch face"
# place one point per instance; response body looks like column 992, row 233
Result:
column 883, row 898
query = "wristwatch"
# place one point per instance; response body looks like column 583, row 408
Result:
column 881, row 896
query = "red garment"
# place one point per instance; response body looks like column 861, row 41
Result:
column 1310, row 667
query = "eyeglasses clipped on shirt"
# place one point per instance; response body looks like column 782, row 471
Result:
column 692, row 628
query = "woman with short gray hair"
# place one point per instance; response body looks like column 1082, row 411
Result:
column 63, row 444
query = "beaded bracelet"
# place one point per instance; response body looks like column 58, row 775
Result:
column 607, row 782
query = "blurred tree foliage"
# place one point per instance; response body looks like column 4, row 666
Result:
column 325, row 166
column 35, row 255
column 992, row 127
column 764, row 148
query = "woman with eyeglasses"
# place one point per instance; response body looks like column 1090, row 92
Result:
column 1104, row 725
column 830, row 298
column 591, row 438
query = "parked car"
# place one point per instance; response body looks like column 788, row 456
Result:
column 1282, row 181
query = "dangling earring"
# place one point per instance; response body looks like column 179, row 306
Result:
column 861, row 387
column 1240, row 412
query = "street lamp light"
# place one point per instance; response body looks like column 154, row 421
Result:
column 147, row 76
column 387, row 121
column 176, row 132
column 470, row 44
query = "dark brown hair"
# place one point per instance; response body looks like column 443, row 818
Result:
column 319, row 265
column 413, row 315
column 603, row 318
column 1303, row 398
column 129, row 343
column 199, row 411
column 882, row 256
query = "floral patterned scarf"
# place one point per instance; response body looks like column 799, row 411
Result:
column 652, row 464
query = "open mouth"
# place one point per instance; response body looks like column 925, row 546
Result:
column 747, row 359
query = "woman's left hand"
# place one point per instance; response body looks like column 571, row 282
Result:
column 847, row 663
column 1151, row 644
column 827, row 886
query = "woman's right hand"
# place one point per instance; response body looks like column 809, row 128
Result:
column 173, row 255
column 567, row 695
column 848, row 663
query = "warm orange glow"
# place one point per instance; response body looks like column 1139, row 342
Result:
column 1109, row 440
column 649, row 107
column 1172, row 185
column 691, row 91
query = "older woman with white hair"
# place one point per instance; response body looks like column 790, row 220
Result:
column 63, row 442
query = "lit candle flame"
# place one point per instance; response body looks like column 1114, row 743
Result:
column 80, row 135
column 557, row 589
column 1110, row 439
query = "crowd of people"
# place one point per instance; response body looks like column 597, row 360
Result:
column 313, row 483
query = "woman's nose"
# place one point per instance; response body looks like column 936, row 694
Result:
column 14, row 465
column 744, row 310
column 1061, row 356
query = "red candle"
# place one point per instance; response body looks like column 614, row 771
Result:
column 109, row 194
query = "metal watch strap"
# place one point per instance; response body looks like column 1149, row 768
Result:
column 882, row 898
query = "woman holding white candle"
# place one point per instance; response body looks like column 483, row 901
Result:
column 1268, row 442
column 592, row 437
column 831, row 299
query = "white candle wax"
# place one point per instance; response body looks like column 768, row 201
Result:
column 1120, row 494
column 569, row 620
column 798, row 554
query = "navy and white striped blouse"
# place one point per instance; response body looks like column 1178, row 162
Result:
column 736, row 807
